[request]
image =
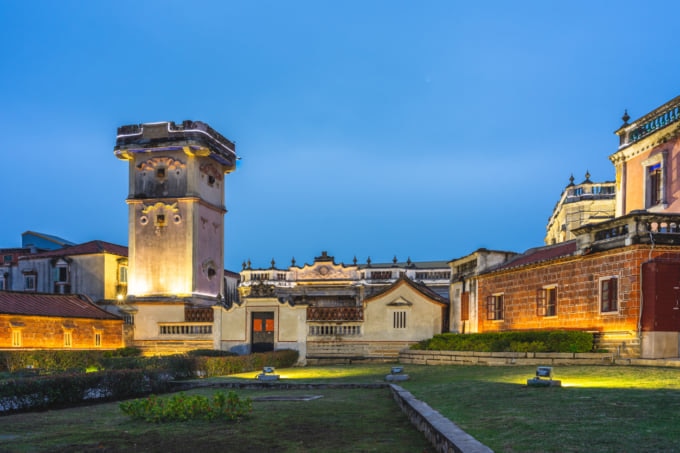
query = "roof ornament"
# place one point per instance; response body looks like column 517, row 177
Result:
column 571, row 180
column 394, row 260
column 273, row 264
column 243, row 266
column 292, row 262
column 355, row 260
column 249, row 264
column 587, row 181
column 625, row 117
column 368, row 261
column 408, row 261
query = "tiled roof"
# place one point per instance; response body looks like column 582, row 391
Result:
column 421, row 288
column 540, row 254
column 87, row 248
column 56, row 305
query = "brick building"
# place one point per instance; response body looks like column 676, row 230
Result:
column 620, row 277
column 56, row 321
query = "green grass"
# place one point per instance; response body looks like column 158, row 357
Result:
column 599, row 408
column 340, row 421
column 602, row 409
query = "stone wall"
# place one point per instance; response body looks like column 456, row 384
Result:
column 503, row 358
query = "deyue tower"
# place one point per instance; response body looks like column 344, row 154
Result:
column 176, row 230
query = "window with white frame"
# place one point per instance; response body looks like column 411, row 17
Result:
column 399, row 319
column 654, row 180
column 122, row 274
column 546, row 301
column 609, row 294
column 494, row 307
column 30, row 282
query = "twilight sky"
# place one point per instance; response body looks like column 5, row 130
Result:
column 370, row 128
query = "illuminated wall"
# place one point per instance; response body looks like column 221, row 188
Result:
column 577, row 280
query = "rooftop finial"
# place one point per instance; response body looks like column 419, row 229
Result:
column 394, row 260
column 355, row 260
column 273, row 263
column 571, row 180
column 587, row 181
column 292, row 262
column 625, row 117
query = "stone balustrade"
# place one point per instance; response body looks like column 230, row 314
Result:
column 186, row 329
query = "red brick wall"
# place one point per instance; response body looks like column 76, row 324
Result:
column 577, row 279
column 48, row 333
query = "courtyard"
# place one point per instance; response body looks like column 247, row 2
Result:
column 598, row 408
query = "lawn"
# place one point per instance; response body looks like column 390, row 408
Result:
column 602, row 409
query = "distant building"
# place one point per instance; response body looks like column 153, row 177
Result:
column 331, row 311
column 580, row 204
column 41, row 241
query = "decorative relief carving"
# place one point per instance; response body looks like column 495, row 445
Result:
column 160, row 213
column 161, row 162
column 261, row 290
column 325, row 271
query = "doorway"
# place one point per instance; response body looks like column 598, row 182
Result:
column 263, row 331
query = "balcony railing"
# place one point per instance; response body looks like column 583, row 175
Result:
column 335, row 314
column 634, row 228
column 185, row 329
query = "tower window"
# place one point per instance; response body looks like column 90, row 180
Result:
column 160, row 219
column 160, row 172
column 211, row 180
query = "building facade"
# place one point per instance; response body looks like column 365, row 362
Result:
column 646, row 161
column 176, row 214
column 618, row 278
column 56, row 321
column 464, row 312
column 331, row 311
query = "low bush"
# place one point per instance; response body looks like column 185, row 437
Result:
column 63, row 390
column 521, row 341
column 181, row 407
column 221, row 366
column 60, row 361
column 210, row 353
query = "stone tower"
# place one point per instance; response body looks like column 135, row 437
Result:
column 176, row 225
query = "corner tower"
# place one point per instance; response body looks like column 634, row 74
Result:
column 176, row 220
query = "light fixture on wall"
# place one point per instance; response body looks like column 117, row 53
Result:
column 677, row 300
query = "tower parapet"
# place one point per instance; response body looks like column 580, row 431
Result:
column 193, row 137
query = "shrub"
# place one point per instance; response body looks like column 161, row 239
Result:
column 181, row 407
column 221, row 366
column 44, row 392
column 521, row 341
column 210, row 353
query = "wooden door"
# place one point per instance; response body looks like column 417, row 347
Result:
column 263, row 331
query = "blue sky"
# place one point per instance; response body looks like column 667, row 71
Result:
column 366, row 128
